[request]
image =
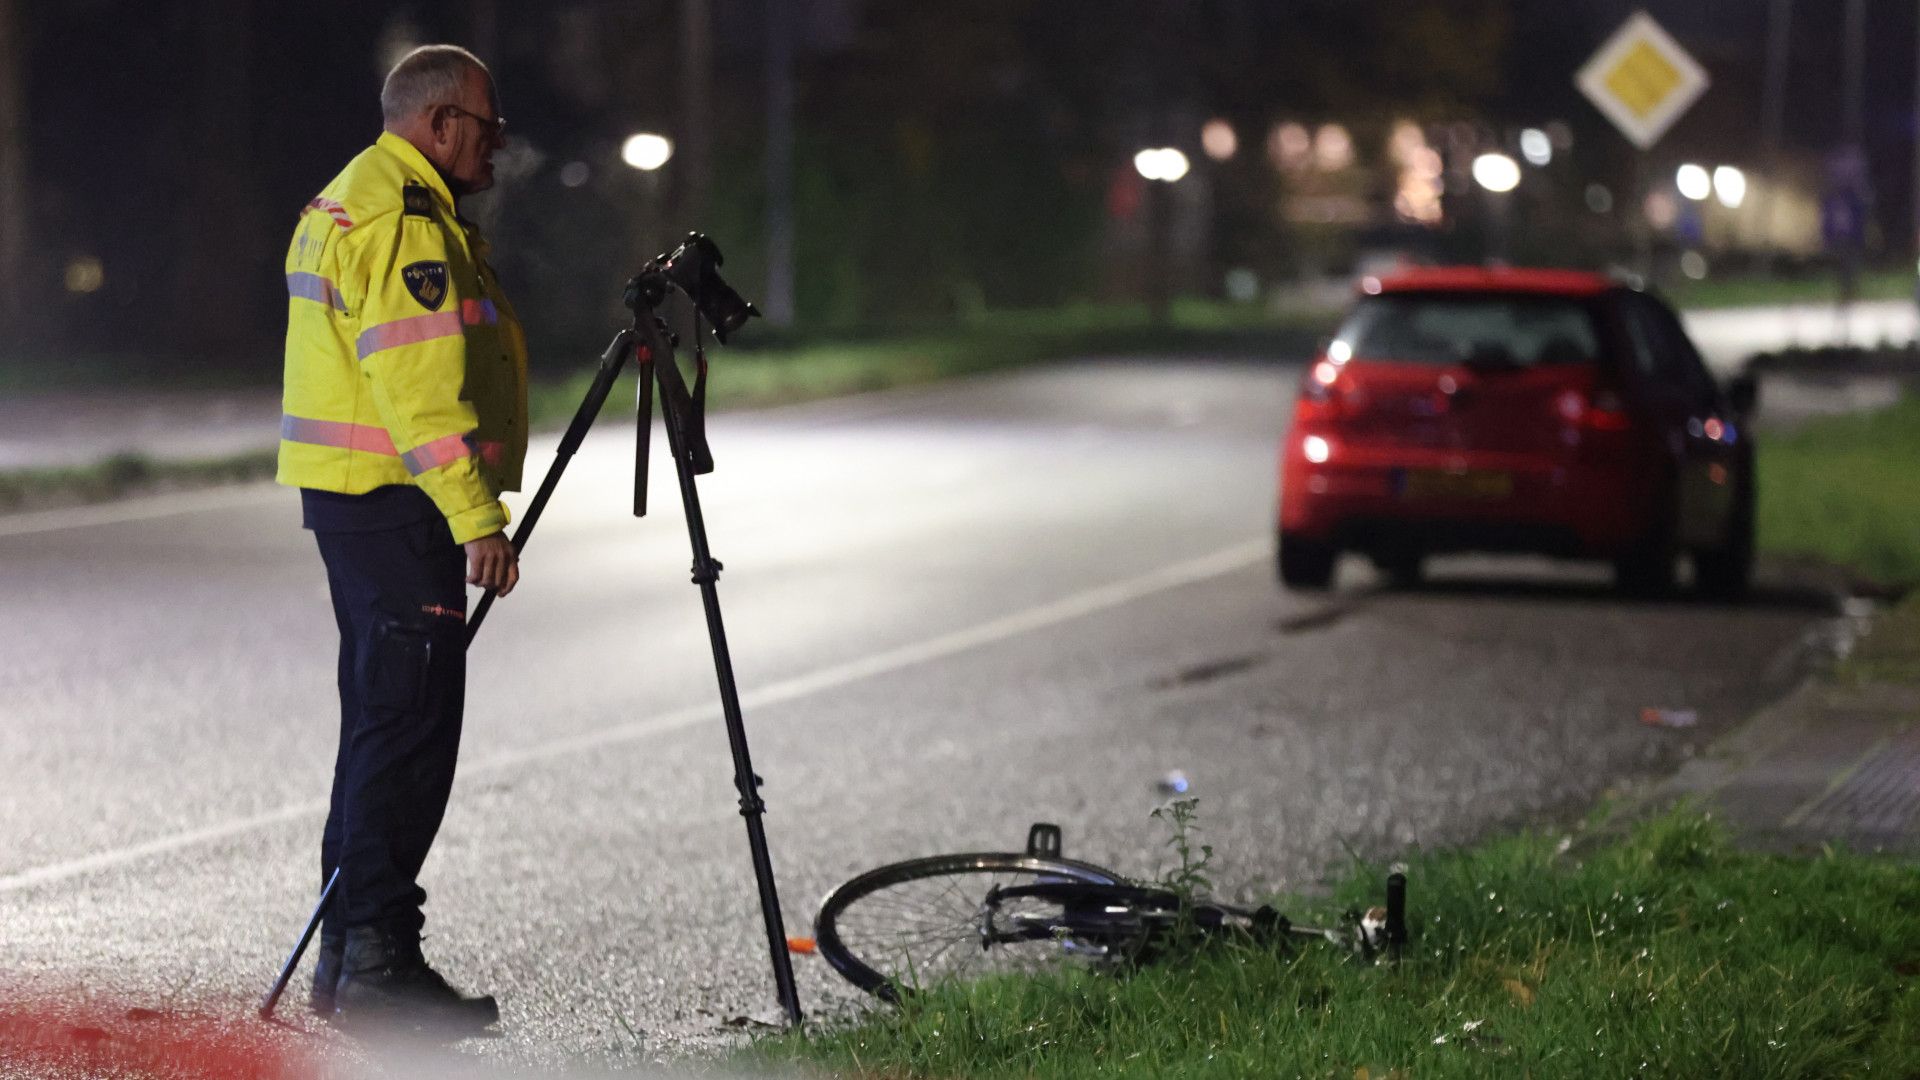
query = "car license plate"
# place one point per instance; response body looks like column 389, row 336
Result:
column 1444, row 484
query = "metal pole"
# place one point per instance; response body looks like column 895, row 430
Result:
column 1159, row 250
column 13, row 169
column 1856, row 74
column 696, row 123
column 1773, row 105
column 1917, row 164
column 1916, row 148
column 779, row 298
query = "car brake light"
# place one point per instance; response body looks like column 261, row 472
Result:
column 1601, row 410
column 1606, row 412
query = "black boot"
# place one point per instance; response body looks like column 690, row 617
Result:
column 384, row 981
column 326, row 975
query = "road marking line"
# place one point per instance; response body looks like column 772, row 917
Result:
column 165, row 845
column 1066, row 609
column 1839, row 781
column 140, row 509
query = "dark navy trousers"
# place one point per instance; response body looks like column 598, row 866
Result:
column 399, row 597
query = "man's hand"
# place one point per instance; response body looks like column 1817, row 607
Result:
column 493, row 564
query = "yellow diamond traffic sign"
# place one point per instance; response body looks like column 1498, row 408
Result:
column 1642, row 80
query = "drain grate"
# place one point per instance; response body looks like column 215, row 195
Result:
column 1881, row 796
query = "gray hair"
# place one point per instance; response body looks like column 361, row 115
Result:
column 429, row 75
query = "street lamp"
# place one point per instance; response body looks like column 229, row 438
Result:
column 1693, row 182
column 1536, row 146
column 646, row 151
column 1497, row 173
column 1162, row 163
column 1730, row 186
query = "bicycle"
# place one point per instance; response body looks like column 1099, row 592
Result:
column 909, row 924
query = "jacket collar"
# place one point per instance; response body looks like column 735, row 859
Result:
column 417, row 163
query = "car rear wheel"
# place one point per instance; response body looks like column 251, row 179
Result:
column 1306, row 564
column 1725, row 572
column 1648, row 568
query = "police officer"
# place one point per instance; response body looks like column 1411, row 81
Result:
column 404, row 419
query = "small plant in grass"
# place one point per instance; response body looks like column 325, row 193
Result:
column 1188, row 879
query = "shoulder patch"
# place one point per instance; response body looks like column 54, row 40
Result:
column 418, row 200
column 427, row 281
column 332, row 209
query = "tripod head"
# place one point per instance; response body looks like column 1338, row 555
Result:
column 693, row 268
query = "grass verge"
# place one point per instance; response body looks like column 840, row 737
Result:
column 1666, row 952
column 1844, row 490
column 798, row 370
column 125, row 474
column 1823, row 288
column 805, row 371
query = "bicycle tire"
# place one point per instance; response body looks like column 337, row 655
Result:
column 861, row 961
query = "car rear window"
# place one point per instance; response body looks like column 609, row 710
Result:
column 1501, row 330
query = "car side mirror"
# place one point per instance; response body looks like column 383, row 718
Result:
column 1743, row 394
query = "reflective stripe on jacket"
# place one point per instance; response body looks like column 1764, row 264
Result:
column 404, row 364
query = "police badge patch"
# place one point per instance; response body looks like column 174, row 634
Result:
column 427, row 281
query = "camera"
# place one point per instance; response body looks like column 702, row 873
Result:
column 694, row 269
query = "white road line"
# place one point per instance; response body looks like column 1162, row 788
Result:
column 141, row 509
column 1066, row 609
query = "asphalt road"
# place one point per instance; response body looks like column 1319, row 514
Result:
column 953, row 610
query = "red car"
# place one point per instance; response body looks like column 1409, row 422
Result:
column 1548, row 411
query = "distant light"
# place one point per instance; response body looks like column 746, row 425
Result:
column 1243, row 285
column 1218, row 140
column 1339, row 351
column 1370, row 285
column 1599, row 198
column 1694, row 265
column 1536, row 147
column 1316, row 449
column 1496, row 172
column 575, row 173
column 1693, row 182
column 1161, row 163
column 1326, row 373
column 1730, row 186
column 1332, row 148
column 646, row 151
column 1662, row 209
column 1289, row 146
column 85, row 274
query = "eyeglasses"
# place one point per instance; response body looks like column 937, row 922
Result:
column 495, row 126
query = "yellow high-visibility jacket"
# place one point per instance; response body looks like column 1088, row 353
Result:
column 405, row 364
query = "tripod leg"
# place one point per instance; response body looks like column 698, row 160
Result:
column 706, row 572
column 272, row 999
column 583, row 418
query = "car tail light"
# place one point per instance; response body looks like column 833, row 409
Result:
column 1322, row 393
column 1600, row 410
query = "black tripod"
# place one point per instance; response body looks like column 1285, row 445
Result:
column 689, row 268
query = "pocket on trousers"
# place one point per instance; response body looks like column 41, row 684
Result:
column 398, row 662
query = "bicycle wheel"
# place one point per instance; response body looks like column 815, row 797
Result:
column 922, row 921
